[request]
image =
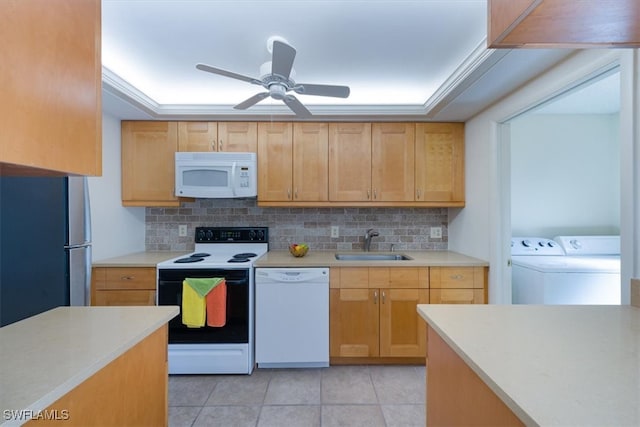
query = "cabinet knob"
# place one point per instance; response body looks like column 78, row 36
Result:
column 288, row 194
column 375, row 297
column 368, row 194
column 213, row 145
column 127, row 277
column 295, row 193
column 220, row 145
column 383, row 297
column 375, row 196
column 418, row 194
column 457, row 277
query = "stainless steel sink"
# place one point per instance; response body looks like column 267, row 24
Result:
column 372, row 257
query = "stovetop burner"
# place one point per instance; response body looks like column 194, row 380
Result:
column 189, row 259
column 245, row 255
column 200, row 255
column 234, row 259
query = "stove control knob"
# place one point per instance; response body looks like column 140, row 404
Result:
column 260, row 235
column 209, row 235
column 252, row 234
column 526, row 243
column 200, row 235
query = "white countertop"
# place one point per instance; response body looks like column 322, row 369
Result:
column 45, row 356
column 327, row 259
column 138, row 259
column 551, row 365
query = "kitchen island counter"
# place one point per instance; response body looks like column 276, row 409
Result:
column 550, row 365
column 47, row 356
column 327, row 259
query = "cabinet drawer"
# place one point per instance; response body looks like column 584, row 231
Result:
column 125, row 278
column 398, row 277
column 135, row 297
column 349, row 277
column 456, row 277
column 456, row 296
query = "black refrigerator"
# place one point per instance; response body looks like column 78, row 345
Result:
column 45, row 245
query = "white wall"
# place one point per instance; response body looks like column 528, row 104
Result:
column 565, row 175
column 483, row 227
column 116, row 230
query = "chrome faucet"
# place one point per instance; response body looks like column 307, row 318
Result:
column 367, row 238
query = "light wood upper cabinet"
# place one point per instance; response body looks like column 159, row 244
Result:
column 50, row 74
column 310, row 162
column 392, row 161
column 562, row 23
column 148, row 163
column 197, row 136
column 275, row 154
column 350, row 162
column 238, row 137
column 218, row 136
column 439, row 157
column 292, row 162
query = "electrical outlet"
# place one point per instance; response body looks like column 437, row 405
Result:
column 435, row 232
column 335, row 231
column 182, row 230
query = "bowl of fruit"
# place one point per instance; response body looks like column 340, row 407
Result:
column 298, row 250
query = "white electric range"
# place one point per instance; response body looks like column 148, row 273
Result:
column 227, row 252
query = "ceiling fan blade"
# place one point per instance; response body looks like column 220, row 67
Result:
column 322, row 90
column 296, row 106
column 282, row 59
column 219, row 71
column 251, row 101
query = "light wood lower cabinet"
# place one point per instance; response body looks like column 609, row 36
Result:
column 123, row 286
column 373, row 313
column 458, row 285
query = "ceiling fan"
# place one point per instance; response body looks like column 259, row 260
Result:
column 277, row 77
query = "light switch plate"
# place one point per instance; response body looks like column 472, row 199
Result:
column 435, row 232
column 335, row 231
column 182, row 230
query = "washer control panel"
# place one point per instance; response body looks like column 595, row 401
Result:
column 535, row 246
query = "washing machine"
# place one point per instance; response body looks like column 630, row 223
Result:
column 566, row 270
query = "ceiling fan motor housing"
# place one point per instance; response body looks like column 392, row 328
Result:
column 277, row 91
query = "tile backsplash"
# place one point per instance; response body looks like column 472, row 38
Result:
column 405, row 228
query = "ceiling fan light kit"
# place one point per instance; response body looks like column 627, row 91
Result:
column 276, row 76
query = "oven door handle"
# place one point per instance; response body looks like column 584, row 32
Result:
column 236, row 282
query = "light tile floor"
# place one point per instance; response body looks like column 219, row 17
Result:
column 334, row 396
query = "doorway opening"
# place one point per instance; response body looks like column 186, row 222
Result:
column 564, row 164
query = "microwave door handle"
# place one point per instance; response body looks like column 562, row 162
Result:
column 233, row 178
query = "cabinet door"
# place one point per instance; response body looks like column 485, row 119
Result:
column 197, row 136
column 392, row 167
column 238, row 137
column 349, row 162
column 275, row 161
column 439, row 162
column 402, row 332
column 50, row 75
column 311, row 162
column 148, row 163
column 353, row 323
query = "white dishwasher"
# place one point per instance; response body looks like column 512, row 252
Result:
column 292, row 317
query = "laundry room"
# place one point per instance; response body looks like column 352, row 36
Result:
column 565, row 197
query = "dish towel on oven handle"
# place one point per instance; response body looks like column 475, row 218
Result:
column 196, row 299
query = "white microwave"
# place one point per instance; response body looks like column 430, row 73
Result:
column 216, row 175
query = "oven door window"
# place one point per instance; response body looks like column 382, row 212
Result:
column 236, row 329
